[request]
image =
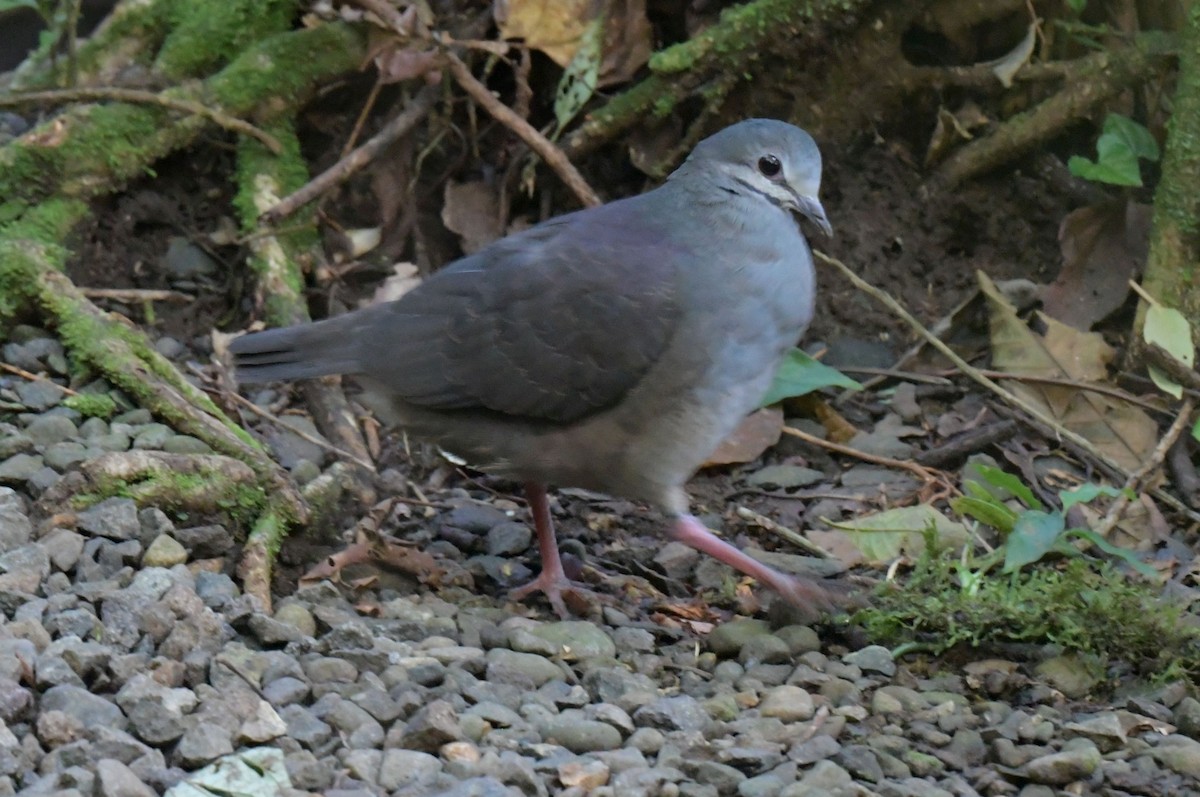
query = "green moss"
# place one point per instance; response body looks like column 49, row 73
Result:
column 740, row 30
column 92, row 405
column 205, row 36
column 1082, row 606
column 281, row 70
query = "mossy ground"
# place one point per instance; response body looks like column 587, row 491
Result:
column 1080, row 605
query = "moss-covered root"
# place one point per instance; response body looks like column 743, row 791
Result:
column 258, row 555
column 1173, row 268
column 1094, row 81
column 206, row 484
column 731, row 47
column 279, row 260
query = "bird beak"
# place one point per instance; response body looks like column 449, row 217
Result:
column 811, row 209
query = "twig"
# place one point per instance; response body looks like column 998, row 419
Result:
column 1011, row 399
column 1146, row 469
column 32, row 377
column 140, row 97
column 547, row 150
column 341, row 171
column 926, row 475
column 1173, row 366
column 796, row 539
column 137, row 295
column 316, row 441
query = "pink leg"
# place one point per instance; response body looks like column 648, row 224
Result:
column 552, row 581
column 804, row 593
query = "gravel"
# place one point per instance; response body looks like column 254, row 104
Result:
column 132, row 664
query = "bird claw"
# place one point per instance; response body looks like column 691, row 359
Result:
column 812, row 598
column 555, row 587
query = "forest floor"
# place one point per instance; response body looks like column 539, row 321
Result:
column 381, row 680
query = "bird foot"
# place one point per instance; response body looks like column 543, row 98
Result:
column 812, row 598
column 556, row 587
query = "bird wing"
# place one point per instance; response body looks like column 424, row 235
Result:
column 554, row 323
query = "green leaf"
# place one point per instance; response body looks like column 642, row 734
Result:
column 1033, row 536
column 1196, row 429
column 988, row 511
column 799, row 374
column 1167, row 327
column 885, row 535
column 1120, row 145
column 1006, row 481
column 9, row 5
column 1086, row 493
column 1077, row 6
column 1115, row 167
column 1135, row 137
column 581, row 76
column 1125, row 555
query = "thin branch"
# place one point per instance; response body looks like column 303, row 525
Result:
column 140, row 97
column 341, row 171
column 137, row 295
column 1011, row 399
column 546, row 149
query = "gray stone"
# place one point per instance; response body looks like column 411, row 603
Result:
column 16, row 529
column 115, row 518
column 512, row 667
column 49, row 429
column 91, row 710
column 508, row 538
column 570, row 640
column 784, row 476
column 1069, row 765
column 787, row 703
column 728, row 638
column 403, row 768
column 289, row 448
column 19, row 468
column 580, row 735
column 873, row 658
column 680, row 712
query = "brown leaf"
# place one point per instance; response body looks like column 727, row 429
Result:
column 472, row 210
column 1103, row 247
column 757, row 432
column 556, row 28
column 1121, row 430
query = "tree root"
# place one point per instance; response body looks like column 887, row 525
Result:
column 204, row 484
column 1091, row 81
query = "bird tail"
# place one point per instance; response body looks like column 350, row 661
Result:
column 305, row 351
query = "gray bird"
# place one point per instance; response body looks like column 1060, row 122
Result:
column 610, row 349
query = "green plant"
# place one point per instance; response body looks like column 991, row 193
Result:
column 800, row 374
column 1122, row 142
column 1034, row 531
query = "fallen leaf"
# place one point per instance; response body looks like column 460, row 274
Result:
column 757, row 432
column 405, row 277
column 885, row 536
column 1120, row 430
column 1006, row 67
column 1103, row 247
column 472, row 211
column 558, row 29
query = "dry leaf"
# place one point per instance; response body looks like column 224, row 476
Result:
column 472, row 211
column 1103, row 247
column 884, row 536
column 1120, row 430
column 404, row 278
column 757, row 432
column 556, row 28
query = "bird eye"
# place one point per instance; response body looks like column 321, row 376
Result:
column 769, row 165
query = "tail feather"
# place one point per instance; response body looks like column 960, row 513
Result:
column 305, row 351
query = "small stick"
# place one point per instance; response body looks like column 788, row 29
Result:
column 341, row 171
column 1146, row 469
column 137, row 295
column 745, row 513
column 547, row 150
column 926, row 475
column 32, row 377
column 140, row 97
column 260, row 412
column 1013, row 400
